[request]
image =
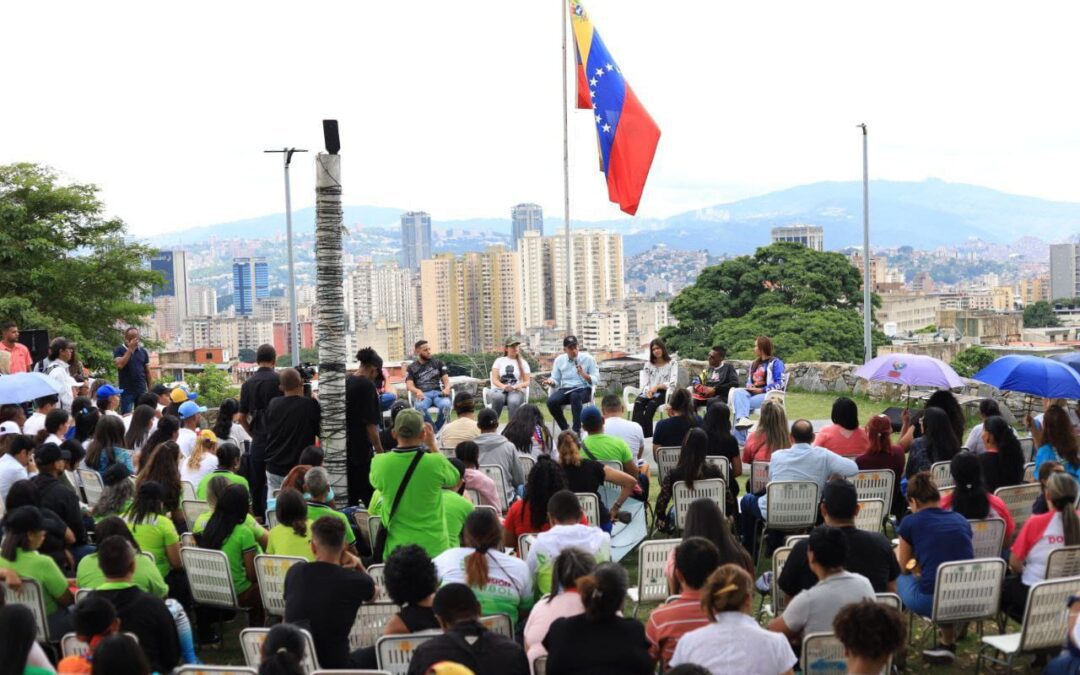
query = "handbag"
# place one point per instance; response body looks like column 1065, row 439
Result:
column 380, row 539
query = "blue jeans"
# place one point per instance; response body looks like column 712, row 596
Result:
column 907, row 587
column 127, row 401
column 577, row 398
column 386, row 400
column 746, row 403
column 1063, row 664
column 434, row 399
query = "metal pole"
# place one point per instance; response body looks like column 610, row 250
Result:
column 294, row 323
column 564, row 10
column 868, row 347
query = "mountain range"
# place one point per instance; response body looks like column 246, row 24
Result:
column 922, row 214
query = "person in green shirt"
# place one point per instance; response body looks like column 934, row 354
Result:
column 214, row 489
column 421, row 503
column 147, row 575
column 455, row 507
column 292, row 534
column 317, row 484
column 155, row 532
column 601, row 447
column 228, row 456
column 24, row 532
column 226, row 532
column 18, row 646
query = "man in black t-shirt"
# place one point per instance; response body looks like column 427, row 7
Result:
column 362, row 417
column 323, row 596
column 292, row 424
column 255, row 396
column 428, row 380
column 868, row 553
column 716, row 380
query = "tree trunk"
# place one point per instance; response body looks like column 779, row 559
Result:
column 330, row 326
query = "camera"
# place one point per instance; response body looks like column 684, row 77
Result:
column 307, row 371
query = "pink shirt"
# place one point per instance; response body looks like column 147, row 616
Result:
column 543, row 614
column 843, row 442
column 484, row 486
column 20, row 358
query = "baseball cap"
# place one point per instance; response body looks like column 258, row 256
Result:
column 512, row 342
column 107, row 390
column 159, row 389
column 591, row 415
column 569, row 341
column 50, row 453
column 190, row 409
column 9, row 427
column 179, row 395
column 409, row 423
column 207, row 434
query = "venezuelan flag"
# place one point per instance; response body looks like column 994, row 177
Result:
column 627, row 134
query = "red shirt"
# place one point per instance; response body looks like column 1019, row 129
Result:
column 843, row 442
column 670, row 621
column 756, row 449
column 20, row 357
column 518, row 520
column 996, row 505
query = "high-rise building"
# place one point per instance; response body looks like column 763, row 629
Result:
column 251, row 282
column 471, row 303
column 525, row 218
column 1064, row 271
column 1033, row 290
column 172, row 265
column 387, row 293
column 810, row 236
column 415, row 239
column 202, row 301
column 605, row 331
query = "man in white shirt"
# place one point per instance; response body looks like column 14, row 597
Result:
column 190, row 413
column 564, row 516
column 17, row 464
column 42, row 407
column 616, row 424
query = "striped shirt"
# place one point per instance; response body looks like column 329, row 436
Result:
column 670, row 621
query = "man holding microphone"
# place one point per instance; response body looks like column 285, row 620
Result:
column 573, row 377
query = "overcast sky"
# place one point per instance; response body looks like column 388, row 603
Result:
column 455, row 107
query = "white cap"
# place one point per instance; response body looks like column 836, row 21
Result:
column 9, row 427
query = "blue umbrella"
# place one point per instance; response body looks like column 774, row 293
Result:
column 23, row 387
column 1032, row 375
column 1072, row 359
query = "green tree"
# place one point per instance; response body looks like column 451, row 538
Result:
column 67, row 268
column 971, row 360
column 1040, row 315
column 246, row 355
column 307, row 355
column 779, row 291
column 212, row 384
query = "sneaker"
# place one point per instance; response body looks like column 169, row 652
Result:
column 744, row 423
column 941, row 654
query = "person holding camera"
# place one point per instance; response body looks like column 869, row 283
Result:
column 510, row 377
column 573, row 377
column 292, row 424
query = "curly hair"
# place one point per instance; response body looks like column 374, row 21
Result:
column 544, row 480
column 870, row 630
column 410, row 575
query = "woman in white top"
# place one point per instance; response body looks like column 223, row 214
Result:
column 510, row 377
column 61, row 366
column 659, row 376
column 203, row 458
column 734, row 642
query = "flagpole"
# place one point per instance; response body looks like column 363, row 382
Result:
column 564, row 10
column 868, row 348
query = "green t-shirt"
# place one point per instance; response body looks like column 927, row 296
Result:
column 123, row 509
column 421, row 505
column 147, row 577
column 154, row 537
column 605, row 447
column 455, row 510
column 316, row 511
column 234, row 478
column 257, row 530
column 42, row 569
column 284, row 541
column 235, row 546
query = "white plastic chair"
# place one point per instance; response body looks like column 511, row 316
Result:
column 1019, row 499
column 472, row 495
column 987, row 537
column 1045, row 624
column 270, row 571
column 1063, row 562
column 540, row 666
column 941, row 474
column 31, row 596
column 1027, row 446
column 525, row 542
column 374, row 524
column 722, row 463
column 193, row 508
column 759, row 476
column 370, row 621
column 967, row 590
column 709, row 488
column 187, row 490
column 378, row 575
column 889, row 600
column 394, row 652
column 875, row 484
column 495, row 473
column 527, row 463
column 432, row 411
column 777, row 602
column 499, row 623
column 92, row 485
column 791, row 505
column 210, row 577
column 252, row 639
column 870, row 516
column 652, row 584
column 630, row 394
column 188, row 539
column 667, row 458
column 220, row 670
column 1029, row 472
column 82, row 594
column 823, row 654
column 71, row 645
column 568, row 408
column 271, row 518
column 590, row 506
column 448, row 452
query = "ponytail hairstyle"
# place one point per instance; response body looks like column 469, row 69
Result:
column 227, row 409
column 483, row 532
column 53, row 421
column 682, row 403
column 879, row 431
column 1010, row 454
column 205, row 444
column 969, row 497
column 939, row 434
column 603, row 591
column 569, row 566
column 282, row 651
column 1061, row 491
column 291, row 511
column 167, row 427
column 86, row 418
column 691, row 464
column 230, row 513
column 139, row 429
column 569, row 448
column 726, row 590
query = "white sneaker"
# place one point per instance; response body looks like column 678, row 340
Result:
column 744, row 423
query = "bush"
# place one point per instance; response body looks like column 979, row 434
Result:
column 972, row 360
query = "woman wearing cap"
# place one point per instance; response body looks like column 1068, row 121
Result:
column 24, row 532
column 108, row 400
column 510, row 377
column 203, row 458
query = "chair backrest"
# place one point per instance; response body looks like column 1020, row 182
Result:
column 709, row 488
column 540, row 666
column 968, row 590
column 870, row 516
column 875, row 484
column 495, row 473
column 1029, row 472
column 226, row 670
column 252, row 639
column 889, row 600
column 759, row 476
column 472, row 495
column 1063, row 562
column 490, row 508
column 187, row 490
column 590, row 506
column 71, row 645
column 271, row 518
column 499, row 623
column 779, row 559
column 370, row 621
column 193, row 508
column 941, row 473
column 92, row 485
column 652, row 555
column 667, row 457
column 823, row 654
column 82, row 594
column 722, row 463
column 987, row 537
column 447, row 451
column 30, row 595
column 188, row 539
column 270, row 571
column 1045, row 625
column 374, row 524
column 1027, row 446
column 792, row 504
column 525, row 542
column 1018, row 499
column 394, row 652
column 378, row 575
column 527, row 463
column 792, row 539
column 209, row 576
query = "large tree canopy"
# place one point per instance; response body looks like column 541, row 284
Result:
column 65, row 267
column 806, row 300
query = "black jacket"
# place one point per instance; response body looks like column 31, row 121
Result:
column 150, row 620
column 56, row 496
column 474, row 647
